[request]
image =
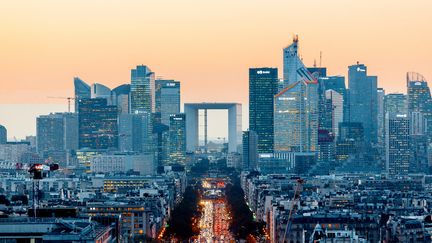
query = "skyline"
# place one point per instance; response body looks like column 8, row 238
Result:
column 210, row 49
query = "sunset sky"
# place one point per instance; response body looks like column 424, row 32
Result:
column 207, row 45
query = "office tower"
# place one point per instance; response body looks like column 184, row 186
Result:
column 350, row 141
column 177, row 139
column 82, row 91
column 419, row 98
column 121, row 96
column 167, row 99
column 130, row 132
column 296, row 107
column 293, row 67
column 336, row 101
column 363, row 105
column 142, row 90
column 57, row 135
column 3, row 135
column 161, row 136
column 395, row 103
column 337, row 83
column 397, row 144
column 263, row 85
column 101, row 91
column 250, row 150
column 97, row 124
column 380, row 116
column 418, row 123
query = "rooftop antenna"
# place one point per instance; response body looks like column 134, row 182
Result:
column 320, row 59
column 314, row 65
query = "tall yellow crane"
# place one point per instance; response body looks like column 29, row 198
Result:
column 69, row 99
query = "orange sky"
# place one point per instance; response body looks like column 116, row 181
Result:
column 207, row 45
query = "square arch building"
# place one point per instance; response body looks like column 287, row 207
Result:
column 234, row 124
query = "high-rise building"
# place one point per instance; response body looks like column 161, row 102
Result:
column 142, row 90
column 167, row 99
column 336, row 101
column 398, row 154
column 98, row 127
column 130, row 132
column 419, row 98
column 82, row 91
column 296, row 107
column 3, row 135
column 121, row 96
column 250, row 150
column 101, row 91
column 337, row 83
column 57, row 135
column 161, row 137
column 263, row 85
column 177, row 139
column 381, row 116
column 395, row 103
column 363, row 105
column 350, row 141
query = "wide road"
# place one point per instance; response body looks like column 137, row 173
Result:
column 215, row 219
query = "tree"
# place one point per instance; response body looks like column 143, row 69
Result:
column 4, row 200
column 22, row 198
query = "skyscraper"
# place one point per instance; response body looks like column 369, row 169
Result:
column 97, row 124
column 177, row 139
column 57, row 134
column 263, row 85
column 337, row 83
column 397, row 144
column 130, row 132
column 395, row 103
column 82, row 91
column 167, row 99
column 336, row 101
column 142, row 90
column 121, row 96
column 363, row 105
column 101, row 91
column 381, row 116
column 3, row 135
column 419, row 98
column 250, row 150
column 296, row 107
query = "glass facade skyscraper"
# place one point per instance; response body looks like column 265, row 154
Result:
column 177, row 139
column 167, row 99
column 398, row 153
column 363, row 97
column 296, row 106
column 142, row 90
column 263, row 84
column 419, row 98
column 98, row 127
column 82, row 91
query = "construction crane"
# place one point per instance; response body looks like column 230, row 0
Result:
column 293, row 208
column 69, row 99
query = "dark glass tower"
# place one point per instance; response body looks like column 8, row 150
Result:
column 363, row 101
column 167, row 99
column 419, row 99
column 177, row 139
column 82, row 91
column 263, row 85
column 97, row 124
